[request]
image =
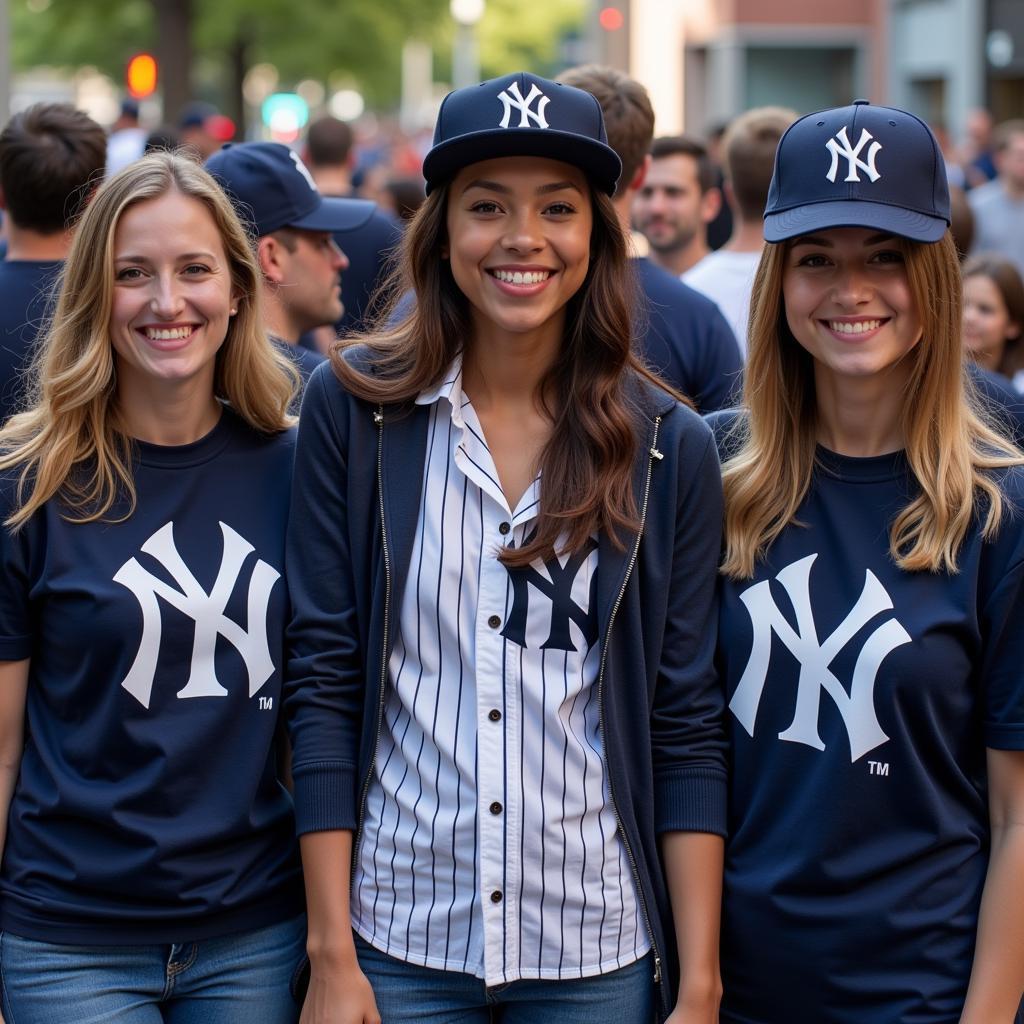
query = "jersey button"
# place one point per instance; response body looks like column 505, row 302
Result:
column 504, row 528
column 494, row 622
column 496, row 808
column 496, row 896
column 494, row 715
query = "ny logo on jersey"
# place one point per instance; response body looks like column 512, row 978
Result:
column 557, row 588
column 851, row 154
column 513, row 98
column 206, row 610
column 857, row 707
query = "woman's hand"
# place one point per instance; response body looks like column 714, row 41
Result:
column 338, row 994
column 697, row 1005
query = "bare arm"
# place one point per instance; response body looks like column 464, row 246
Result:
column 693, row 866
column 997, row 977
column 338, row 990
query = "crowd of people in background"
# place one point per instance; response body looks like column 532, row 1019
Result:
column 220, row 357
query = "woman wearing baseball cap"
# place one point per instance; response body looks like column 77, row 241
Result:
column 503, row 707
column 870, row 632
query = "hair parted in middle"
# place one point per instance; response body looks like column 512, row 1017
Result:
column 70, row 441
column 1007, row 281
column 951, row 447
column 587, row 465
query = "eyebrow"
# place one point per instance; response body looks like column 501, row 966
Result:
column 184, row 256
column 543, row 190
column 824, row 243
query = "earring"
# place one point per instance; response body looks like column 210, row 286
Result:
column 234, row 310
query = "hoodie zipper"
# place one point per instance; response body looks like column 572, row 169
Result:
column 378, row 418
column 654, row 455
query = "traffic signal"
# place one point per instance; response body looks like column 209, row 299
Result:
column 611, row 19
column 141, row 76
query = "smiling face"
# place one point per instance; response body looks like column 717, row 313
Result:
column 519, row 244
column 172, row 295
column 987, row 323
column 670, row 209
column 848, row 303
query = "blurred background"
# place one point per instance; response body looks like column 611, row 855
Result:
column 265, row 68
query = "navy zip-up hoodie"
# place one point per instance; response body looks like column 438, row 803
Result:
column 356, row 499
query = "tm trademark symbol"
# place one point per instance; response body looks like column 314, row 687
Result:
column 878, row 767
column 267, row 704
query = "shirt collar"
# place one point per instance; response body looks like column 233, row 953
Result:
column 450, row 388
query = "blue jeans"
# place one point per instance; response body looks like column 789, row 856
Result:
column 410, row 994
column 235, row 979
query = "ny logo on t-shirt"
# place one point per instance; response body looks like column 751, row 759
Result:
column 856, row 706
column 557, row 587
column 205, row 609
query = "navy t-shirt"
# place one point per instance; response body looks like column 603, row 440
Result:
column 861, row 702
column 687, row 340
column 26, row 295
column 148, row 807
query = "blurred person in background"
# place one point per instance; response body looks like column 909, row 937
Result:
column 149, row 869
column 127, row 137
column 999, row 204
column 368, row 246
column 720, row 229
column 962, row 226
column 163, row 138
column 681, row 333
column 676, row 202
column 994, row 316
column 404, row 196
column 302, row 266
column 201, row 129
column 52, row 158
column 727, row 275
column 977, row 149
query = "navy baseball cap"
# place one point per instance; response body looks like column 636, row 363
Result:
column 521, row 115
column 271, row 188
column 858, row 166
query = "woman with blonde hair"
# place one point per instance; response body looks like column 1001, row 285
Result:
column 870, row 632
column 149, row 870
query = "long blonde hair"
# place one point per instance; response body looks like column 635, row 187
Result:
column 70, row 441
column 950, row 447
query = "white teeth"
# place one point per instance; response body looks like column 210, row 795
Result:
column 167, row 333
column 522, row 277
column 854, row 327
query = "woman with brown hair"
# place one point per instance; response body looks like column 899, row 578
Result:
column 501, row 694
column 994, row 316
column 873, row 594
column 149, row 867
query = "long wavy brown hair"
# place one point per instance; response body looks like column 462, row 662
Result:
column 70, row 441
column 587, row 463
column 951, row 447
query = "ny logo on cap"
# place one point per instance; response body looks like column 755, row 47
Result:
column 512, row 97
column 842, row 148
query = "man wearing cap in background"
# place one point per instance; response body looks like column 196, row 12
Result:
column 274, row 193
column 681, row 332
column 204, row 129
column 328, row 155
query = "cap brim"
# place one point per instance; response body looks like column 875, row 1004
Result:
column 852, row 213
column 598, row 161
column 334, row 214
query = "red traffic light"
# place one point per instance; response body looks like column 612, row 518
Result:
column 141, row 76
column 611, row 19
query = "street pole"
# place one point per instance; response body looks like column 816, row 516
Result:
column 5, row 62
column 466, row 57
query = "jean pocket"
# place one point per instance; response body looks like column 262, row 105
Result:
column 300, row 981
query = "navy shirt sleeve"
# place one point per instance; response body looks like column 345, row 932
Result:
column 15, row 617
column 1001, row 617
column 325, row 687
column 686, row 722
